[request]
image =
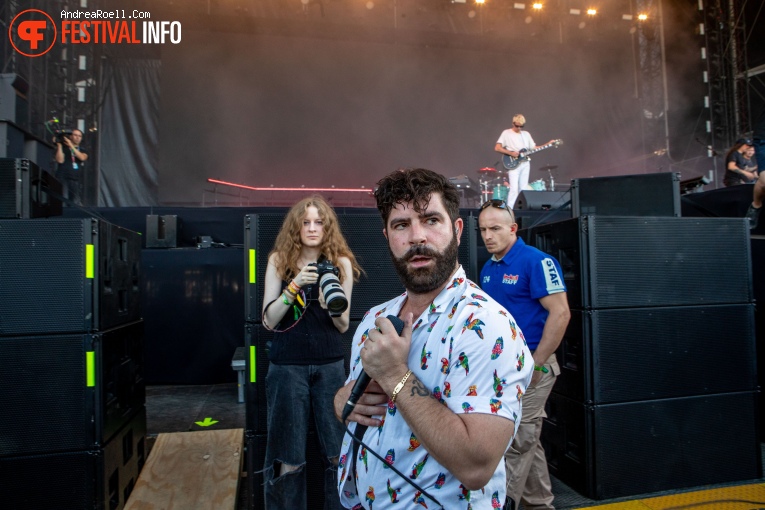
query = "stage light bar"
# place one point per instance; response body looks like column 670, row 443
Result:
column 575, row 12
column 242, row 186
column 642, row 17
column 537, row 6
column 627, row 17
column 519, row 5
column 591, row 12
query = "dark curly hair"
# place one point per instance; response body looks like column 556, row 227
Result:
column 415, row 185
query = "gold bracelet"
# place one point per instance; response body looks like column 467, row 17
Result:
column 399, row 387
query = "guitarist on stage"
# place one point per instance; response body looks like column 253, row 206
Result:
column 511, row 142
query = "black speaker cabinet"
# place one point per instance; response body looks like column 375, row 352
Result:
column 542, row 200
column 161, row 231
column 67, row 275
column 363, row 232
column 69, row 392
column 257, row 343
column 655, row 194
column 606, row 356
column 14, row 105
column 619, row 450
column 313, row 474
column 613, row 261
column 11, row 140
column 99, row 479
column 26, row 191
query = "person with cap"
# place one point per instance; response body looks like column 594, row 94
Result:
column 737, row 169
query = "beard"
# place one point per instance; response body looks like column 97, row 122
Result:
column 422, row 280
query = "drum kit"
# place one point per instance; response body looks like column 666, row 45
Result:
column 494, row 183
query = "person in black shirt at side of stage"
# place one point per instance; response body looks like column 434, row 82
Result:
column 71, row 161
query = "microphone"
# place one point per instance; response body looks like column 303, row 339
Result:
column 363, row 380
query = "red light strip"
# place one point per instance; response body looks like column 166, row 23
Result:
column 234, row 185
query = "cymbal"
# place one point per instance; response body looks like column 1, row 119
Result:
column 547, row 168
column 487, row 170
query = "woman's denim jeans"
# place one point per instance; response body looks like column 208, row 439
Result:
column 294, row 392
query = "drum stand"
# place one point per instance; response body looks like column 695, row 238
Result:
column 549, row 169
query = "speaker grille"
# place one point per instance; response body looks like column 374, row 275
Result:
column 44, row 396
column 620, row 450
column 606, row 355
column 46, row 287
column 623, row 262
column 44, row 391
column 101, row 478
column 656, row 194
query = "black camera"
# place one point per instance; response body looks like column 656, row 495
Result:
column 334, row 295
column 60, row 134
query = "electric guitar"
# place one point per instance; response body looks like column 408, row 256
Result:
column 510, row 162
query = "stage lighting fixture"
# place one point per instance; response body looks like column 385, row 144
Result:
column 642, row 17
column 627, row 17
column 591, row 12
column 480, row 1
column 575, row 12
column 519, row 6
column 537, row 6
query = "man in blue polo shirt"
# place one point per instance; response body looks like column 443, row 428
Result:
column 529, row 283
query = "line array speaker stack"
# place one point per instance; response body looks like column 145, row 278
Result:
column 363, row 232
column 71, row 364
column 659, row 355
column 27, row 191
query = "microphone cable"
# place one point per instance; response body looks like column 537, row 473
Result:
column 354, row 451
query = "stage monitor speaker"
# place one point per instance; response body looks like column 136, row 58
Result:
column 257, row 345
column 14, row 105
column 161, row 231
column 67, row 275
column 313, row 474
column 656, row 194
column 26, row 191
column 620, row 450
column 629, row 262
column 101, row 479
column 606, row 355
column 363, row 232
column 69, row 392
column 542, row 201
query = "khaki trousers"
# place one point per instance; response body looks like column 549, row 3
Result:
column 528, row 481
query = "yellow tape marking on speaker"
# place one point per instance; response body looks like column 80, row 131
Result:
column 90, row 369
column 90, row 261
column 253, row 365
column 252, row 266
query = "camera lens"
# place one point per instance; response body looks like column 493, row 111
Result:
column 334, row 295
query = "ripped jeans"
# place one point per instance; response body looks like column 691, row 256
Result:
column 293, row 392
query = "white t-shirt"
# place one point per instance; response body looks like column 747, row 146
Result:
column 513, row 141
